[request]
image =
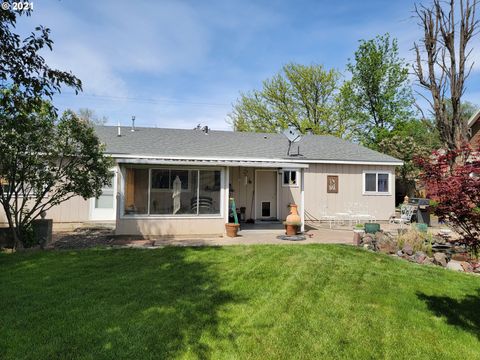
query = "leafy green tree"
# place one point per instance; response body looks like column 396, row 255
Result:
column 408, row 141
column 304, row 96
column 22, row 66
column 378, row 95
column 45, row 161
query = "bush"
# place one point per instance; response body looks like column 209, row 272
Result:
column 419, row 241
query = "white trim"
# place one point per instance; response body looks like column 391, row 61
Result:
column 377, row 193
column 297, row 180
column 159, row 216
column 299, row 163
column 121, row 214
column 226, row 193
column 302, row 200
column 105, row 214
column 474, row 118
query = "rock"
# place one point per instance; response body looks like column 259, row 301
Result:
column 368, row 247
column 460, row 257
column 400, row 253
column 440, row 259
column 428, row 261
column 407, row 249
column 420, row 257
column 387, row 247
column 367, row 239
column 439, row 240
column 467, row 267
column 455, row 265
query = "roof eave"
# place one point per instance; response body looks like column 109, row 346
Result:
column 270, row 160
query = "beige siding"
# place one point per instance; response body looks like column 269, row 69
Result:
column 74, row 210
column 350, row 179
column 172, row 227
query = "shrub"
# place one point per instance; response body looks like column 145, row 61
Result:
column 452, row 181
column 419, row 241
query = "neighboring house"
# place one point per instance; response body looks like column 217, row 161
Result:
column 474, row 129
column 178, row 182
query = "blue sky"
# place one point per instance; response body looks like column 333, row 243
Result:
column 179, row 63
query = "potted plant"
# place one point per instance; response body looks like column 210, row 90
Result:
column 232, row 229
column 293, row 221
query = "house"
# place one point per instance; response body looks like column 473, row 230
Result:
column 474, row 129
column 178, row 182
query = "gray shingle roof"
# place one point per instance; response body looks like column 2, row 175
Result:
column 230, row 145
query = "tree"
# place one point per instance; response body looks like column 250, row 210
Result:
column 91, row 117
column 378, row 94
column 44, row 162
column 300, row 95
column 24, row 69
column 407, row 141
column 442, row 63
column 452, row 180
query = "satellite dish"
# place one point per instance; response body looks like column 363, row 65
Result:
column 292, row 134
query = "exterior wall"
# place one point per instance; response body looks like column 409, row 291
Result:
column 244, row 195
column 288, row 195
column 170, row 226
column 74, row 210
column 475, row 131
column 350, row 188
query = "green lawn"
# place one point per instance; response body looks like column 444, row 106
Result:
column 256, row 302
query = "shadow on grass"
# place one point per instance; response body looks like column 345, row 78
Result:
column 163, row 303
column 463, row 313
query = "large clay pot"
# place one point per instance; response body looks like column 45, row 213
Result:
column 232, row 229
column 291, row 230
column 293, row 217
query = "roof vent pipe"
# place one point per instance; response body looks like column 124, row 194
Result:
column 119, row 129
column 133, row 123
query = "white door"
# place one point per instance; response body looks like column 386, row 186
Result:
column 266, row 194
column 104, row 207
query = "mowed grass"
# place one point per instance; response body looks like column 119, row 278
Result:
column 255, row 302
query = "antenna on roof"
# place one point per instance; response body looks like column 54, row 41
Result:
column 119, row 129
column 293, row 136
column 133, row 123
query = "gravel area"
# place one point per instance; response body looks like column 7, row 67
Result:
column 82, row 238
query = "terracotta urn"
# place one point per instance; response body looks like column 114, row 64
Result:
column 293, row 221
column 293, row 217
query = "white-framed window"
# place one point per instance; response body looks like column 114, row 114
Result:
column 290, row 178
column 376, row 183
column 161, row 191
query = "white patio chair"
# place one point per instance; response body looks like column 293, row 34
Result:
column 325, row 217
column 406, row 213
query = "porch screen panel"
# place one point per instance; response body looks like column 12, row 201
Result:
column 173, row 192
column 209, row 192
column 136, row 191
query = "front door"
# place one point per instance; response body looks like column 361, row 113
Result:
column 266, row 194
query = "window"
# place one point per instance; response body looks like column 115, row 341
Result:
column 289, row 177
column 376, row 183
column 173, row 192
column 105, row 201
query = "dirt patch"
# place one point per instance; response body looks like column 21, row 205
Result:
column 82, row 238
